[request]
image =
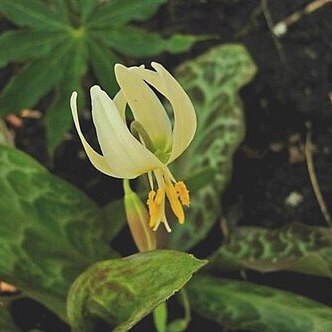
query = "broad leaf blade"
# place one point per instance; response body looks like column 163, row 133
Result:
column 139, row 43
column 59, row 9
column 27, row 45
column 49, row 231
column 212, row 81
column 58, row 118
column 243, row 305
column 297, row 247
column 120, row 12
column 34, row 81
column 86, row 9
column 31, row 13
column 103, row 61
column 115, row 215
column 123, row 291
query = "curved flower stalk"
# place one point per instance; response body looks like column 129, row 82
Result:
column 150, row 143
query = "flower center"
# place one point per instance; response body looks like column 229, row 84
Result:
column 140, row 134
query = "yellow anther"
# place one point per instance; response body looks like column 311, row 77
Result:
column 159, row 196
column 178, row 195
column 151, row 196
column 173, row 198
column 153, row 208
column 183, row 193
column 154, row 204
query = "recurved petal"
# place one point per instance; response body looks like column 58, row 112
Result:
column 146, row 107
column 96, row 159
column 185, row 122
column 123, row 153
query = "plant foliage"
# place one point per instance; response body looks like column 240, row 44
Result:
column 122, row 291
column 57, row 41
column 50, row 232
column 296, row 247
column 212, row 81
column 244, row 305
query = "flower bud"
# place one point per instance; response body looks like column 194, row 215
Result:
column 138, row 220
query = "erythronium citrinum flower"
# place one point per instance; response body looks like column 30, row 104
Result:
column 151, row 142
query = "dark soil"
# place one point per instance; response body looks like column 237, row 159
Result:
column 293, row 87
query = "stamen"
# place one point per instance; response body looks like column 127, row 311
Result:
column 173, row 198
column 153, row 209
column 150, row 180
column 183, row 193
column 159, row 196
column 166, row 224
column 154, row 203
column 177, row 194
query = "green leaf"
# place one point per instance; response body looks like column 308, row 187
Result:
column 31, row 13
column 212, row 81
column 139, row 43
column 123, row 291
column 27, row 45
column 86, row 9
column 34, row 81
column 58, row 118
column 103, row 61
column 49, row 231
column 199, row 179
column 296, row 247
column 243, row 305
column 115, row 215
column 6, row 321
column 59, row 8
column 120, row 12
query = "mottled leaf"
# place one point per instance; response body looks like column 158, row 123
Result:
column 115, row 216
column 32, row 13
column 122, row 291
column 212, row 81
column 243, row 305
column 49, row 231
column 139, row 43
column 296, row 247
column 120, row 12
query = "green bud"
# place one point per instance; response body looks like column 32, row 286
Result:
column 138, row 220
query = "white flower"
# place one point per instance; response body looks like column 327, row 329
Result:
column 151, row 142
